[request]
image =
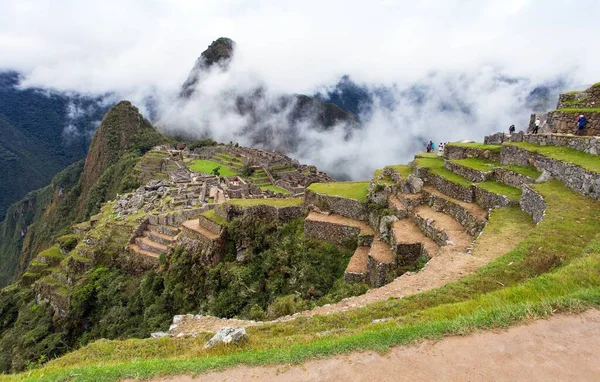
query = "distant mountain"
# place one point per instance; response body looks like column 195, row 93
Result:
column 273, row 121
column 41, row 133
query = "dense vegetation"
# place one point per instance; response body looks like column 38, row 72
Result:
column 283, row 273
column 40, row 134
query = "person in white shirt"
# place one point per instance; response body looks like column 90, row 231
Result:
column 440, row 149
column 537, row 125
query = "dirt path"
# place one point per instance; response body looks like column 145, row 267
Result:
column 563, row 348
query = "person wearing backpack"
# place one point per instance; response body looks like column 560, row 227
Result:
column 511, row 129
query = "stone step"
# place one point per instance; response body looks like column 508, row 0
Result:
column 472, row 217
column 160, row 238
column 149, row 245
column 356, row 271
column 441, row 228
column 138, row 250
column 398, row 207
column 337, row 229
column 409, row 242
column 166, row 229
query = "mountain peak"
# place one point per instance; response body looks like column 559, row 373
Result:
column 219, row 52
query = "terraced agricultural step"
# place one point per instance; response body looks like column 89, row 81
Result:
column 160, row 238
column 148, row 245
column 142, row 252
column 337, row 229
column 472, row 217
column 194, row 226
column 379, row 262
column 492, row 194
column 475, row 170
column 441, row 228
column 356, row 271
column 166, row 229
column 409, row 242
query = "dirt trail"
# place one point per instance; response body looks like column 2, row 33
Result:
column 563, row 348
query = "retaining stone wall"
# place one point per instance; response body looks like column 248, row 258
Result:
column 177, row 217
column 586, row 99
column 335, row 233
column 590, row 145
column 460, row 152
column 376, row 272
column 204, row 250
column 511, row 178
column 565, row 122
column 430, row 230
column 46, row 293
column 469, row 173
column 349, row 208
column 533, row 203
column 210, row 225
column 575, row 177
column 264, row 212
column 471, row 224
column 453, row 190
column 488, row 200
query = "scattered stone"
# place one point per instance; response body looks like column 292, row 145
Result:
column 414, row 184
column 226, row 336
column 159, row 335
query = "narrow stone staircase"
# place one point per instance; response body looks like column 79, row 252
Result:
column 155, row 240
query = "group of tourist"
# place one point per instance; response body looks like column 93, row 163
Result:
column 431, row 148
column 581, row 124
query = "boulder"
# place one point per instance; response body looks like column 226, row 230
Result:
column 413, row 185
column 227, row 335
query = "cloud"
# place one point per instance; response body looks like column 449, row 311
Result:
column 454, row 69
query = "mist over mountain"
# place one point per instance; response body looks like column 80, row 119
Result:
column 41, row 132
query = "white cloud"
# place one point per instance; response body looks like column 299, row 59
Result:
column 456, row 48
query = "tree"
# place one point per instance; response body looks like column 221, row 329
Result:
column 216, row 171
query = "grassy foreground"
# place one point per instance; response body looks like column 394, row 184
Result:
column 556, row 267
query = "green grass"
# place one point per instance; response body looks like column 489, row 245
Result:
column 275, row 189
column 402, row 169
column 207, row 166
column 351, row 190
column 477, row 164
column 579, row 110
column 476, row 145
column 587, row 161
column 424, row 154
column 510, row 192
column 213, row 217
column 286, row 202
column 436, row 167
column 554, row 267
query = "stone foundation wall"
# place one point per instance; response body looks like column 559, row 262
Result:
column 533, row 203
column 460, row 152
column 349, row 208
column 177, row 217
column 470, row 223
column 575, row 177
column 453, row 190
column 488, row 200
column 335, row 233
column 469, row 173
column 261, row 211
column 511, row 178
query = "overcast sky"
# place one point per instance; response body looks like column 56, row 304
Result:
column 456, row 48
column 122, row 45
